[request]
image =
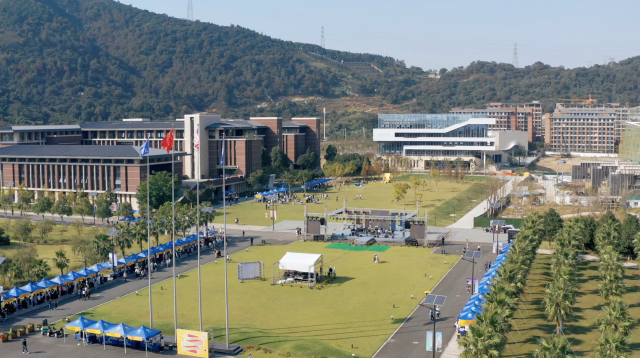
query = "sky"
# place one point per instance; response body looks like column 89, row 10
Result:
column 437, row 34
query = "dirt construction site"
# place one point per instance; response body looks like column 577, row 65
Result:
column 550, row 163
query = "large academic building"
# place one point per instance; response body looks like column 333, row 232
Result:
column 422, row 137
column 96, row 157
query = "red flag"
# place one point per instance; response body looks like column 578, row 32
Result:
column 167, row 142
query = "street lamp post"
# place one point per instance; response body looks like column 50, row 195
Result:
column 473, row 255
column 434, row 301
column 274, row 213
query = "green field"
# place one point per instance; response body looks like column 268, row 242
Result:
column 581, row 329
column 449, row 199
column 355, row 309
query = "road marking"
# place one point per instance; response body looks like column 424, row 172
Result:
column 414, row 310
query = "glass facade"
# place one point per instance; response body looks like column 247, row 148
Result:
column 424, row 121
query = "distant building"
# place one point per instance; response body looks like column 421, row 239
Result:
column 422, row 137
column 630, row 137
column 585, row 126
column 526, row 117
column 100, row 156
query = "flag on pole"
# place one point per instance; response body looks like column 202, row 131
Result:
column 197, row 140
column 167, row 142
column 144, row 150
column 224, row 145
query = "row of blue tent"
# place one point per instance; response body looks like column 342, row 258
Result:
column 104, row 328
column 88, row 272
column 272, row 192
column 474, row 306
column 317, row 181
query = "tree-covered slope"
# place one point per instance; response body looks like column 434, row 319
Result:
column 94, row 60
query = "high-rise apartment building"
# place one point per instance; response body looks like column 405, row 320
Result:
column 525, row 117
column 584, row 126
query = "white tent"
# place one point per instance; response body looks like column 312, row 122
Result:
column 299, row 262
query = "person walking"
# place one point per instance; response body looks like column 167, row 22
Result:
column 24, row 346
column 486, row 266
column 125, row 275
column 252, row 241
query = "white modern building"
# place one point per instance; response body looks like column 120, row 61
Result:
column 423, row 137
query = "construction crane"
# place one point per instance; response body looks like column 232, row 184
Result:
column 590, row 100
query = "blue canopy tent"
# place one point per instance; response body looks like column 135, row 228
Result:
column 468, row 316
column 44, row 284
column 120, row 330
column 73, row 276
column 31, row 288
column 229, row 192
column 61, row 280
column 105, row 266
column 14, row 293
column 143, row 334
column 474, row 303
column 130, row 220
column 141, row 256
column 181, row 242
column 88, row 272
column 484, row 288
column 168, row 246
column 99, row 328
column 79, row 324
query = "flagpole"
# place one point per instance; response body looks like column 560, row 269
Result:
column 149, row 234
column 198, row 235
column 173, row 239
column 224, row 209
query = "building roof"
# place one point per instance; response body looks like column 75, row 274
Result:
column 56, row 127
column 234, row 123
column 132, row 125
column 291, row 124
column 80, row 151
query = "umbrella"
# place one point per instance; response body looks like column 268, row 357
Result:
column 99, row 328
column 467, row 317
column 120, row 330
column 80, row 324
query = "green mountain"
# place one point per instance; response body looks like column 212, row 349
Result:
column 69, row 61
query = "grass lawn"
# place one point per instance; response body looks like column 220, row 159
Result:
column 449, row 198
column 581, row 329
column 355, row 309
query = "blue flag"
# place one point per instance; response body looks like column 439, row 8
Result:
column 223, row 147
column 144, row 150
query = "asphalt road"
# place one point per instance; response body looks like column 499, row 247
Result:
column 409, row 341
column 119, row 288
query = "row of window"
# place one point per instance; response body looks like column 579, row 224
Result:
column 137, row 134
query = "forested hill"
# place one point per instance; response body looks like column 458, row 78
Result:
column 69, row 61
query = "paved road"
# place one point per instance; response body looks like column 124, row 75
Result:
column 409, row 341
column 120, row 288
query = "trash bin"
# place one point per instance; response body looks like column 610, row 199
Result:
column 443, row 251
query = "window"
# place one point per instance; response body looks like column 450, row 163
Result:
column 160, row 134
column 180, row 134
column 6, row 137
column 140, row 134
column 103, row 135
column 121, row 134
column 112, row 135
column 130, row 135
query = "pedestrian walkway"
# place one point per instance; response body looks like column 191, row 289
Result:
column 632, row 265
column 466, row 222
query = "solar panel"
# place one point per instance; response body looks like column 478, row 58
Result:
column 430, row 299
column 474, row 254
column 434, row 300
column 113, row 232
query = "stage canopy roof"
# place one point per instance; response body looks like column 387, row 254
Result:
column 299, row 262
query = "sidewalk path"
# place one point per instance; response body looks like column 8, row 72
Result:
column 119, row 288
column 466, row 222
column 632, row 265
column 409, row 341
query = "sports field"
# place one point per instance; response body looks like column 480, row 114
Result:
column 356, row 308
column 445, row 201
column 581, row 328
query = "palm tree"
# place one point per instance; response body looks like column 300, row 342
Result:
column 139, row 232
column 554, row 347
column 124, row 238
column 558, row 304
column 616, row 318
column 61, row 261
column 39, row 269
column 612, row 346
column 102, row 246
column 481, row 341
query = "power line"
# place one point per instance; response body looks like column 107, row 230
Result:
column 322, row 38
column 190, row 11
column 514, row 61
